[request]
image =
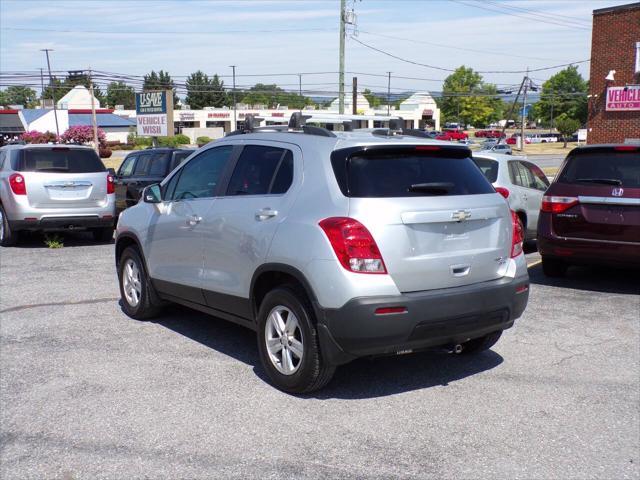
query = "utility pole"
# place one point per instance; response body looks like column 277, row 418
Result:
column 388, row 93
column 524, row 110
column 53, row 89
column 94, row 122
column 354, row 84
column 235, row 120
column 300, row 91
column 343, row 13
column 511, row 110
column 41, row 88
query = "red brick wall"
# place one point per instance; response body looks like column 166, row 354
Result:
column 613, row 47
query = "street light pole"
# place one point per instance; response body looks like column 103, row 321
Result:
column 93, row 115
column 53, row 89
column 235, row 120
column 388, row 93
column 343, row 13
column 300, row 91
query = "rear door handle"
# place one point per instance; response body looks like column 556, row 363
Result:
column 194, row 220
column 265, row 214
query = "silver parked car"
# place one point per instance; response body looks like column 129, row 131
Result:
column 54, row 187
column 331, row 246
column 495, row 147
column 521, row 181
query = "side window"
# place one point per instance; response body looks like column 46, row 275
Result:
column 126, row 169
column 158, row 164
column 142, row 165
column 2, row 157
column 199, row 178
column 540, row 181
column 257, row 171
column 178, row 158
column 518, row 174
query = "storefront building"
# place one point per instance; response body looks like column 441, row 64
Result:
column 614, row 96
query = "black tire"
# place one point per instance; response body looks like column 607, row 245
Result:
column 102, row 235
column 8, row 237
column 148, row 305
column 481, row 344
column 553, row 267
column 312, row 371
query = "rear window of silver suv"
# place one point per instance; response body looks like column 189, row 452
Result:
column 57, row 160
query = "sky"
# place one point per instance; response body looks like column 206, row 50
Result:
column 267, row 39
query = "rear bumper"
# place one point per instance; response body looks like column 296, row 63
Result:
column 63, row 223
column 585, row 251
column 432, row 318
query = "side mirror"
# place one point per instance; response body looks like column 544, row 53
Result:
column 152, row 194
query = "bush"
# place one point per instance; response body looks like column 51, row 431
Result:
column 82, row 134
column 203, row 140
column 113, row 143
column 142, row 141
column 127, row 146
column 182, row 139
column 104, row 152
column 39, row 137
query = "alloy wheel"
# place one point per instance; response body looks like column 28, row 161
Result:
column 283, row 337
column 131, row 284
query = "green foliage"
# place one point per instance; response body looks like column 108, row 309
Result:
column 566, row 126
column 53, row 241
column 374, row 101
column 60, row 88
column 564, row 92
column 182, row 139
column 174, row 141
column 19, row 95
column 160, row 81
column 458, row 104
column 203, row 91
column 119, row 93
column 203, row 140
column 271, row 95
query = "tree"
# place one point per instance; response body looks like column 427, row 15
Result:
column 55, row 90
column 459, row 102
column 61, row 87
column 272, row 96
column 219, row 97
column 564, row 92
column 119, row 93
column 372, row 98
column 4, row 98
column 160, row 81
column 566, row 126
column 204, row 92
column 19, row 95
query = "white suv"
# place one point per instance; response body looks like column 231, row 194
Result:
column 331, row 246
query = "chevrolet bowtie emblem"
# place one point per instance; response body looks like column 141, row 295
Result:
column 460, row 215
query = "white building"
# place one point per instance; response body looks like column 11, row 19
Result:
column 78, row 98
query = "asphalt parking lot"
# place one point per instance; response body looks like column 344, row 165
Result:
column 86, row 392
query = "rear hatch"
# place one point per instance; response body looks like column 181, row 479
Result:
column 63, row 177
column 435, row 218
column 606, row 183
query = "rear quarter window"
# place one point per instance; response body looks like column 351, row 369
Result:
column 409, row 173
column 59, row 160
column 488, row 167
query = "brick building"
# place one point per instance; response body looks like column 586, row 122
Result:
column 614, row 105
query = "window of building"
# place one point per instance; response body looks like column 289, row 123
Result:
column 637, row 57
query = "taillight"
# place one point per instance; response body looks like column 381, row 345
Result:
column 503, row 191
column 518, row 235
column 18, row 187
column 626, row 148
column 553, row 204
column 111, row 187
column 353, row 245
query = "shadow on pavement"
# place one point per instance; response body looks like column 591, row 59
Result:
column 69, row 239
column 363, row 378
column 594, row 279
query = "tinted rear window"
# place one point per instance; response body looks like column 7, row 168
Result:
column 608, row 167
column 488, row 167
column 410, row 174
column 59, row 160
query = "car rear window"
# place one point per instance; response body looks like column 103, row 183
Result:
column 410, row 173
column 59, row 160
column 488, row 167
column 605, row 167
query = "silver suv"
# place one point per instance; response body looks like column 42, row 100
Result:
column 331, row 246
column 54, row 187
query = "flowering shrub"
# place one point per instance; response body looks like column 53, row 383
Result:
column 82, row 134
column 38, row 137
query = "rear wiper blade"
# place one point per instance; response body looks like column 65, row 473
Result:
column 606, row 181
column 437, row 188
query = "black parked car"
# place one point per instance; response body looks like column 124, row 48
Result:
column 143, row 168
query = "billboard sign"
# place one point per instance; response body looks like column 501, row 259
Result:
column 154, row 113
column 623, row 99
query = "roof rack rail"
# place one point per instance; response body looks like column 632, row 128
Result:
column 298, row 120
column 297, row 123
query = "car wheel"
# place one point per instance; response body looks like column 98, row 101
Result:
column 7, row 236
column 136, row 292
column 553, row 267
column 102, row 235
column 288, row 342
column 481, row 344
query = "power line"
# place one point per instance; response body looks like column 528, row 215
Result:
column 167, row 32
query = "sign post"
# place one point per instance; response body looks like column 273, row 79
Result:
column 154, row 114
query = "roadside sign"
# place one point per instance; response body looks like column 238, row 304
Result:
column 154, row 113
column 582, row 135
column 623, row 99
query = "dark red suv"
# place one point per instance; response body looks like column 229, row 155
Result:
column 591, row 212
